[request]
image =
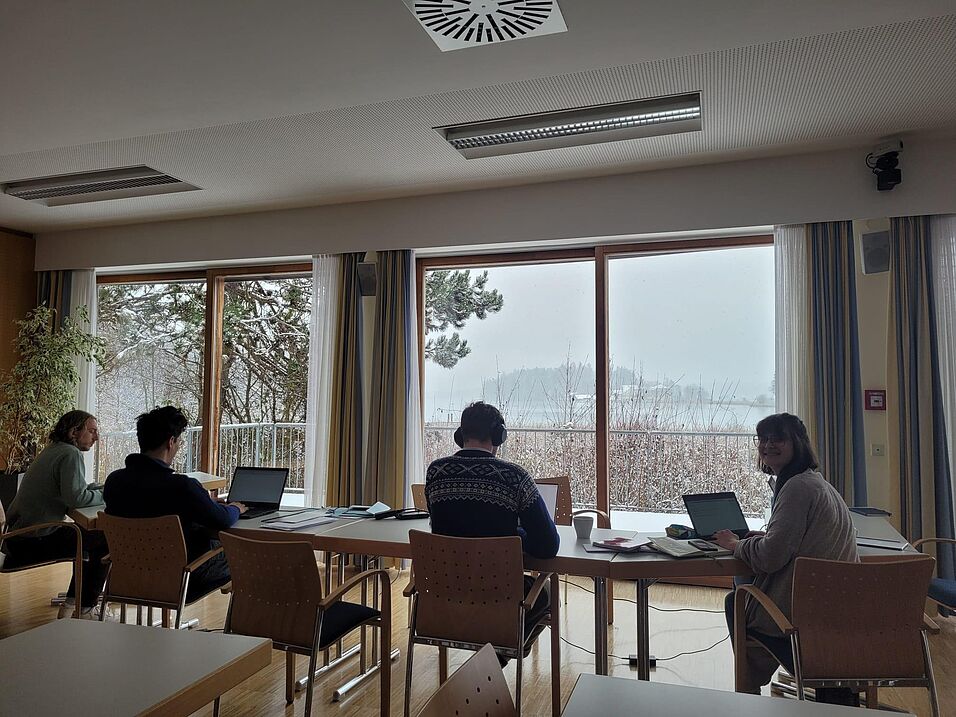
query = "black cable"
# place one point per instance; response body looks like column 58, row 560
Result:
column 692, row 652
column 652, row 607
column 591, row 652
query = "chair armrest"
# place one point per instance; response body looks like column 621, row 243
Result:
column 761, row 597
column 932, row 540
column 106, row 560
column 597, row 511
column 536, row 587
column 929, row 625
column 410, row 588
column 208, row 555
column 40, row 526
column 340, row 591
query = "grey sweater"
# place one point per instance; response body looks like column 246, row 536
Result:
column 809, row 519
column 54, row 483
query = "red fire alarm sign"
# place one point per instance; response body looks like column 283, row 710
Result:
column 874, row 399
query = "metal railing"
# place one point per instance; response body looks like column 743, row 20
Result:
column 649, row 470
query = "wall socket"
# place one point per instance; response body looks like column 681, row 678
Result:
column 877, row 449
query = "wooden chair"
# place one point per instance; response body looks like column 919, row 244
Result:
column 564, row 515
column 477, row 689
column 855, row 625
column 9, row 566
column 149, row 566
column 941, row 591
column 470, row 591
column 418, row 496
column 277, row 594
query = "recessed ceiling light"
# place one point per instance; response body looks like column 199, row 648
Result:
column 97, row 186
column 585, row 125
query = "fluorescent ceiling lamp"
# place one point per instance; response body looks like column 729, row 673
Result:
column 568, row 128
column 96, row 186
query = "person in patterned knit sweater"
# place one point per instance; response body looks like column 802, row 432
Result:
column 475, row 494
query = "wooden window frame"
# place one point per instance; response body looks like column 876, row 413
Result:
column 215, row 280
column 600, row 254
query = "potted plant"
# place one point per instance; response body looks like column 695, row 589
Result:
column 41, row 387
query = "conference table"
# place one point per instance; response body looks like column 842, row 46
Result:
column 598, row 695
column 133, row 670
column 389, row 538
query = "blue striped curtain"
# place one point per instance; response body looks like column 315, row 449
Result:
column 346, row 400
column 836, row 404
column 919, row 459
column 391, row 380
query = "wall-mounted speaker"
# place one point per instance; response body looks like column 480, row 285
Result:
column 876, row 252
column 366, row 277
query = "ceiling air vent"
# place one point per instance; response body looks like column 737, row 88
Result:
column 585, row 125
column 121, row 183
column 456, row 24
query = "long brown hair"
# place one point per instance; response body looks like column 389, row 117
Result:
column 789, row 426
column 69, row 422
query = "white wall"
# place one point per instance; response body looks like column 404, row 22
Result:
column 775, row 190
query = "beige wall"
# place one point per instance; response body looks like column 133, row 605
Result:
column 773, row 190
column 872, row 292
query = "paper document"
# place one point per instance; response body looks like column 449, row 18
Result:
column 299, row 519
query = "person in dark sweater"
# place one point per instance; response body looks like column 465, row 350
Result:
column 148, row 487
column 475, row 494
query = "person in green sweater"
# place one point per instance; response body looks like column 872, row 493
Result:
column 55, row 483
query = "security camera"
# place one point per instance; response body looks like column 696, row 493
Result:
column 884, row 162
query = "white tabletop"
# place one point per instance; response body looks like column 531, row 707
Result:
column 598, row 695
column 85, row 667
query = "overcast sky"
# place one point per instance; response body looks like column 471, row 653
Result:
column 703, row 317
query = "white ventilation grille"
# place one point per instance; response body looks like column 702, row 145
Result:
column 456, row 24
column 120, row 183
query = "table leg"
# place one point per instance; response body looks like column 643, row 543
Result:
column 600, row 626
column 643, row 630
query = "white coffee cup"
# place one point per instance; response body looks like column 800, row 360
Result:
column 583, row 525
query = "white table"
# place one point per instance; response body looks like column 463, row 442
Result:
column 87, row 668
column 598, row 695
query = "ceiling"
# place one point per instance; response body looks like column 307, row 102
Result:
column 271, row 105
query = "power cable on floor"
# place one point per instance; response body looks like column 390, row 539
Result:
column 653, row 607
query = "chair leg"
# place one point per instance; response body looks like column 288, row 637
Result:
column 928, row 662
column 215, row 707
column 311, row 687
column 555, row 649
column 610, row 602
column 165, row 617
column 872, row 698
column 442, row 665
column 122, row 612
column 409, row 653
column 518, row 672
column 289, row 677
column 385, row 664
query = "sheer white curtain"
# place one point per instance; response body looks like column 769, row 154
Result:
column 943, row 233
column 792, row 323
column 325, row 307
column 415, row 454
column 83, row 293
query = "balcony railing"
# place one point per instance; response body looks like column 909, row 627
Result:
column 649, row 470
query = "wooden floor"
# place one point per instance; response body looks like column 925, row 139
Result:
column 24, row 603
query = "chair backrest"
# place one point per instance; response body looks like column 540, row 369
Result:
column 477, row 689
column 861, row 620
column 562, row 506
column 147, row 556
column 418, row 496
column 276, row 590
column 469, row 589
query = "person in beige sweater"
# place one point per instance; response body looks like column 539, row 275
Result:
column 809, row 519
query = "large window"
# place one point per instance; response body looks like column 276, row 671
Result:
column 522, row 338
column 265, row 359
column 154, row 356
column 639, row 371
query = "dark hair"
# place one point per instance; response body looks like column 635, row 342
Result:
column 153, row 429
column 478, row 420
column 789, row 426
column 69, row 422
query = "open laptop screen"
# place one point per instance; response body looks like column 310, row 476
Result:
column 258, row 486
column 710, row 512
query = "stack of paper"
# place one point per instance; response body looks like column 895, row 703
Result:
column 298, row 520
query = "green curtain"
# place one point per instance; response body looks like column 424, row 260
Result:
column 835, row 422
column 391, row 380
column 345, row 474
column 918, row 453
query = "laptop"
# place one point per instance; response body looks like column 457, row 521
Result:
column 549, row 493
column 259, row 489
column 710, row 512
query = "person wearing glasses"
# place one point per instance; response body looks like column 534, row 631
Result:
column 809, row 519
